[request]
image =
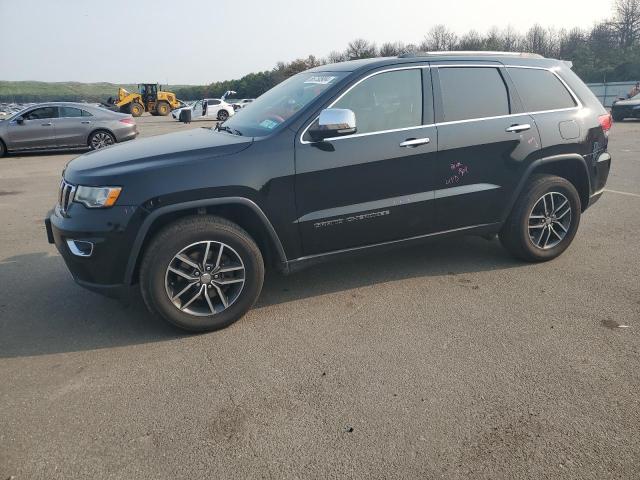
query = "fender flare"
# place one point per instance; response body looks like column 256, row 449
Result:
column 146, row 225
column 536, row 164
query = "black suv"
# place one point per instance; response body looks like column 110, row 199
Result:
column 339, row 159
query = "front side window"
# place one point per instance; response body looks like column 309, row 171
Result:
column 42, row 113
column 473, row 92
column 386, row 101
column 269, row 111
column 68, row 112
column 540, row 90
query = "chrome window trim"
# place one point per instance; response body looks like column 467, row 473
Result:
column 355, row 135
column 578, row 106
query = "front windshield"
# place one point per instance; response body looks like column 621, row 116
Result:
column 274, row 107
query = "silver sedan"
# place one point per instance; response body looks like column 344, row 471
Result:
column 64, row 126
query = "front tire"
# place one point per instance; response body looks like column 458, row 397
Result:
column 201, row 273
column 136, row 109
column 223, row 115
column 544, row 219
column 163, row 109
column 3, row 149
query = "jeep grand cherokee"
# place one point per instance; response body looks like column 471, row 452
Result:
column 343, row 158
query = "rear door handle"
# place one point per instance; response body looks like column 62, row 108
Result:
column 518, row 128
column 415, row 142
column 46, row 124
column 86, row 121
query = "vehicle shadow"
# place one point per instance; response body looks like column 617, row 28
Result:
column 42, row 311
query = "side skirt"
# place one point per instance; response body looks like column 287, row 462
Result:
column 301, row 263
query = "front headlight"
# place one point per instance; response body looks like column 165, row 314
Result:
column 97, row 197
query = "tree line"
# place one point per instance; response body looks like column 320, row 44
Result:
column 609, row 51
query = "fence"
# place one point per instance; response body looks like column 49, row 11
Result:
column 609, row 92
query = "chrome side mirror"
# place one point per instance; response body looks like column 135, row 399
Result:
column 333, row 122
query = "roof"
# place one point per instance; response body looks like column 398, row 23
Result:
column 513, row 58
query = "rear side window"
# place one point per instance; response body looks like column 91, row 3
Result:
column 540, row 90
column 386, row 101
column 67, row 112
column 213, row 102
column 472, row 92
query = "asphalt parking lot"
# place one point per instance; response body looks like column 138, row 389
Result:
column 450, row 360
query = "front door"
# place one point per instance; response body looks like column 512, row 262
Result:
column 484, row 145
column 370, row 187
column 36, row 132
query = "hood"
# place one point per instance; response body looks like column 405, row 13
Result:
column 152, row 153
column 628, row 103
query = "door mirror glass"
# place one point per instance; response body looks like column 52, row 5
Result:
column 333, row 122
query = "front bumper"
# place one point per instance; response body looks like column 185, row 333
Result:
column 111, row 233
column 625, row 112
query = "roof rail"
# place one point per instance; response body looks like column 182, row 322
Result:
column 470, row 52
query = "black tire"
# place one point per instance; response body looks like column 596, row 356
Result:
column 181, row 234
column 136, row 109
column 515, row 234
column 223, row 115
column 163, row 109
column 617, row 118
column 3, row 149
column 100, row 139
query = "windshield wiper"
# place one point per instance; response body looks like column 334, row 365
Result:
column 232, row 131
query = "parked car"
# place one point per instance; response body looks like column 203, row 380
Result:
column 629, row 108
column 341, row 159
column 242, row 103
column 215, row 109
column 64, row 126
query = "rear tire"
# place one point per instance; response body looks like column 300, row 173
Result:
column 223, row 115
column 136, row 109
column 3, row 149
column 544, row 219
column 101, row 139
column 208, row 298
column 163, row 109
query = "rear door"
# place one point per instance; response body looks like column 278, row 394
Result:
column 72, row 128
column 36, row 132
column 485, row 143
column 372, row 186
column 213, row 107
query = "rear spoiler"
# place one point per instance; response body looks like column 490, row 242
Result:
column 568, row 63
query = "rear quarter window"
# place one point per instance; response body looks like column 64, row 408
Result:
column 540, row 90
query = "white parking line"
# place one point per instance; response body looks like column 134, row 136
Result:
column 622, row 193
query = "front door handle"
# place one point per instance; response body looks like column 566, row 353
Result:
column 415, row 142
column 46, row 124
column 518, row 128
column 86, row 122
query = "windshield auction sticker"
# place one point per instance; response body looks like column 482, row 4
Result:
column 320, row 79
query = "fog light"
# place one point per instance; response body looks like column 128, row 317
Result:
column 80, row 248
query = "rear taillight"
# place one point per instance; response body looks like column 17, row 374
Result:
column 605, row 122
column 128, row 121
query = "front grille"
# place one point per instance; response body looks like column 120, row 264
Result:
column 65, row 195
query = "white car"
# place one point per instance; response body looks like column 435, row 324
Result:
column 242, row 103
column 214, row 108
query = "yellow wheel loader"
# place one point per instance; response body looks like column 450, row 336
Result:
column 149, row 98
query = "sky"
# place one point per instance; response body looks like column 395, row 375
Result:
column 202, row 41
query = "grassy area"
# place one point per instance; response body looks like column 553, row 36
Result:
column 61, row 91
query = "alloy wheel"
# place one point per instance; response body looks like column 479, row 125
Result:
column 549, row 220
column 101, row 140
column 205, row 278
